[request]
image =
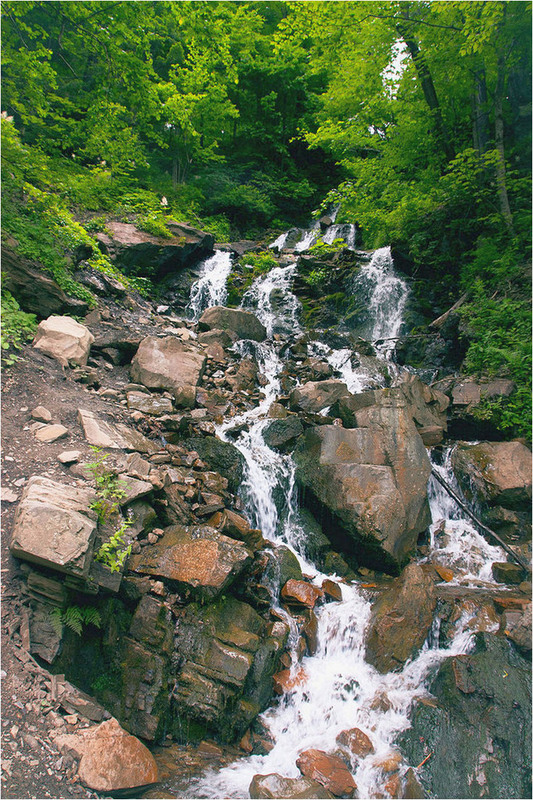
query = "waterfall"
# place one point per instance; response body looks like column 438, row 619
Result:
column 210, row 288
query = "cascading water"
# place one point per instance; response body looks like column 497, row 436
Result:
column 210, row 288
column 341, row 689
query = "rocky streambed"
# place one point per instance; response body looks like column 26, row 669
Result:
column 266, row 490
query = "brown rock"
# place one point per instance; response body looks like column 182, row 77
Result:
column 301, row 593
column 327, row 770
column 287, row 679
column 356, row 742
column 332, row 590
column 444, row 573
column 393, row 785
column 518, row 630
column 412, row 788
column 169, row 363
column 507, row 572
column 390, row 763
column 111, row 759
column 51, row 433
column 498, row 473
column 276, row 786
column 401, row 619
column 310, row 631
column 243, row 323
column 314, row 396
column 64, row 339
column 116, row 436
column 41, row 414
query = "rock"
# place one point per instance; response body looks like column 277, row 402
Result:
column 224, row 338
column 518, row 629
column 69, row 456
column 371, row 482
column 315, row 396
column 245, row 377
column 55, row 527
column 116, row 436
column 111, row 759
column 148, row 404
column 74, row 700
column 479, row 728
column 497, row 473
column 301, row 593
column 282, row 433
column 51, row 433
column 169, row 363
column 198, row 558
column 36, row 292
column 356, row 742
column 276, row 786
column 288, row 679
column 412, row 788
column 64, row 339
column 329, row 771
column 507, row 572
column 8, row 495
column 332, row 590
column 243, row 323
column 41, row 414
column 282, row 566
column 98, row 282
column 221, row 457
column 233, row 525
column 401, row 619
column 139, row 253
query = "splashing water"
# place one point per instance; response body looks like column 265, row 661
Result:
column 210, row 288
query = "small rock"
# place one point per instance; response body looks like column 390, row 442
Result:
column 332, row 590
column 356, row 741
column 69, row 456
column 506, row 572
column 8, row 495
column 71, row 719
column 41, row 414
column 51, row 433
column 330, row 771
column 301, row 593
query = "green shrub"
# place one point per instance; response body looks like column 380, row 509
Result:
column 16, row 328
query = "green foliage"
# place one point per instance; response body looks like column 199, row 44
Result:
column 109, row 489
column 321, row 248
column 114, row 552
column 316, row 277
column 16, row 328
column 75, row 618
column 155, row 224
column 244, row 271
column 259, row 263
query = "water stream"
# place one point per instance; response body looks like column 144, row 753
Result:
column 341, row 689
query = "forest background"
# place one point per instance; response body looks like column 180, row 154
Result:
column 247, row 116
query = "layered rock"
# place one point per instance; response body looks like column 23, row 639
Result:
column 276, row 786
column 330, row 771
column 496, row 473
column 314, row 396
column 64, row 339
column 244, row 324
column 401, row 620
column 169, row 363
column 116, row 436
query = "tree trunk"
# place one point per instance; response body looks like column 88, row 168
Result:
column 174, row 172
column 428, row 88
column 501, row 179
column 481, row 114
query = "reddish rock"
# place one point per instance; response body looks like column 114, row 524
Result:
column 332, row 590
column 444, row 573
column 301, row 593
column 497, row 473
column 310, row 631
column 329, row 771
column 288, row 679
column 391, row 762
column 111, row 759
column 393, row 785
column 276, row 786
column 356, row 742
column 169, row 363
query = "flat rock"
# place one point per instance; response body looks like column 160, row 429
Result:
column 116, row 436
column 276, row 786
column 8, row 495
column 69, row 456
column 314, row 396
column 64, row 339
column 55, row 527
column 149, row 404
column 198, row 558
column 169, row 363
column 329, row 771
column 301, row 593
column 41, row 414
column 51, row 433
column 242, row 323
column 111, row 759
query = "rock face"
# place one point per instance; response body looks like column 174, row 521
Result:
column 371, row 481
column 330, row 771
column 138, row 252
column 276, row 786
column 282, row 433
column 479, row 730
column 497, row 473
column 227, row 661
column 317, row 395
column 64, row 339
column 111, row 759
column 401, row 620
column 198, row 558
column 242, row 323
column 55, row 527
column 169, row 363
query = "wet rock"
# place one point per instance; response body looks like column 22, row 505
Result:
column 479, row 730
column 233, row 525
column 401, row 619
column 245, row 377
column 116, row 436
column 301, row 593
column 315, row 396
column 276, row 786
column 140, row 253
column 198, row 558
column 221, row 456
column 55, row 527
column 169, row 363
column 148, row 404
column 282, row 433
column 356, row 742
column 332, row 590
column 411, row 786
column 330, row 771
column 288, row 679
column 64, row 339
column 282, row 566
column 507, row 572
column 111, row 759
column 224, row 338
column 243, row 323
column 497, row 473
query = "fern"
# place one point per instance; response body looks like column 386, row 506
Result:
column 75, row 618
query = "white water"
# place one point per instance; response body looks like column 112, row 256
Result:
column 210, row 288
column 341, row 690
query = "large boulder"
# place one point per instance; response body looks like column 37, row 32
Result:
column 198, row 559
column 243, row 323
column 139, row 253
column 276, row 786
column 401, row 620
column 169, row 363
column 371, row 482
column 314, row 396
column 64, row 339
column 478, row 728
column 496, row 473
column 281, row 434
column 330, row 771
column 55, row 527
column 223, row 457
column 111, row 759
